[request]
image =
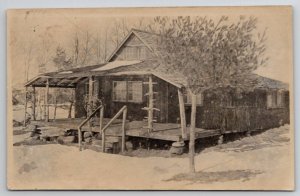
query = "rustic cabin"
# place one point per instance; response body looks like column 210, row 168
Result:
column 129, row 97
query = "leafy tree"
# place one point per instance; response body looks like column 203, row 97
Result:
column 210, row 55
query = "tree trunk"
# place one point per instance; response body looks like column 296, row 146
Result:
column 182, row 114
column 70, row 110
column 192, row 134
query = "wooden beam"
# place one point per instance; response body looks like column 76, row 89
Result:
column 62, row 81
column 151, row 105
column 167, row 103
column 90, row 98
column 182, row 114
column 75, row 81
column 100, row 128
column 123, row 130
column 192, row 134
column 25, row 108
column 55, row 86
column 46, row 106
column 33, row 103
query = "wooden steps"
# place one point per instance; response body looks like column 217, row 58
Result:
column 112, row 145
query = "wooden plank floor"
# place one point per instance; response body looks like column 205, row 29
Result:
column 162, row 131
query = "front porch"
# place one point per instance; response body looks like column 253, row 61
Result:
column 161, row 131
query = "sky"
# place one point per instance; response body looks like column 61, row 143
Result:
column 57, row 27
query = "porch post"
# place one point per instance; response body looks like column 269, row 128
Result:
column 25, row 108
column 192, row 134
column 90, row 100
column 182, row 114
column 46, row 105
column 150, row 111
column 33, row 103
column 90, row 109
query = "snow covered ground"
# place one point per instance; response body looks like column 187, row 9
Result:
column 263, row 161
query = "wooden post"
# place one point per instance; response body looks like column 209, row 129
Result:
column 55, row 104
column 150, row 111
column 46, row 105
column 192, row 134
column 90, row 110
column 100, row 127
column 101, row 119
column 124, row 130
column 25, row 108
column 182, row 114
column 79, row 139
column 90, row 104
column 40, row 106
column 33, row 104
column 103, row 140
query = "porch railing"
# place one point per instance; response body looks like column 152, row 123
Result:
column 101, row 108
column 124, row 111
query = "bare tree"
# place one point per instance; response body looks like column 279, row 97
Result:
column 27, row 52
column 210, row 55
column 63, row 62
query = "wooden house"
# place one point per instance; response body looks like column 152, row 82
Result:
column 157, row 103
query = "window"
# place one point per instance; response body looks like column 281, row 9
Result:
column 188, row 99
column 275, row 99
column 135, row 91
column 131, row 91
column 119, row 90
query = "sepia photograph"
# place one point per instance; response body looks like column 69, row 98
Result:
column 178, row 98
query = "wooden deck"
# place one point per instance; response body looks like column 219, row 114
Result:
column 162, row 131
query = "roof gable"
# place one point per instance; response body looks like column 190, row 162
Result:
column 147, row 39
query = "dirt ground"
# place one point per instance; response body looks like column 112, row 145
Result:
column 262, row 161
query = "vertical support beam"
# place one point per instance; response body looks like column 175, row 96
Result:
column 55, row 104
column 150, row 110
column 90, row 110
column 25, row 108
column 103, row 140
column 101, row 131
column 123, row 130
column 192, row 134
column 182, row 114
column 46, row 105
column 79, row 139
column 33, row 103
column 40, row 113
column 90, row 104
column 101, row 119
column 167, row 104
